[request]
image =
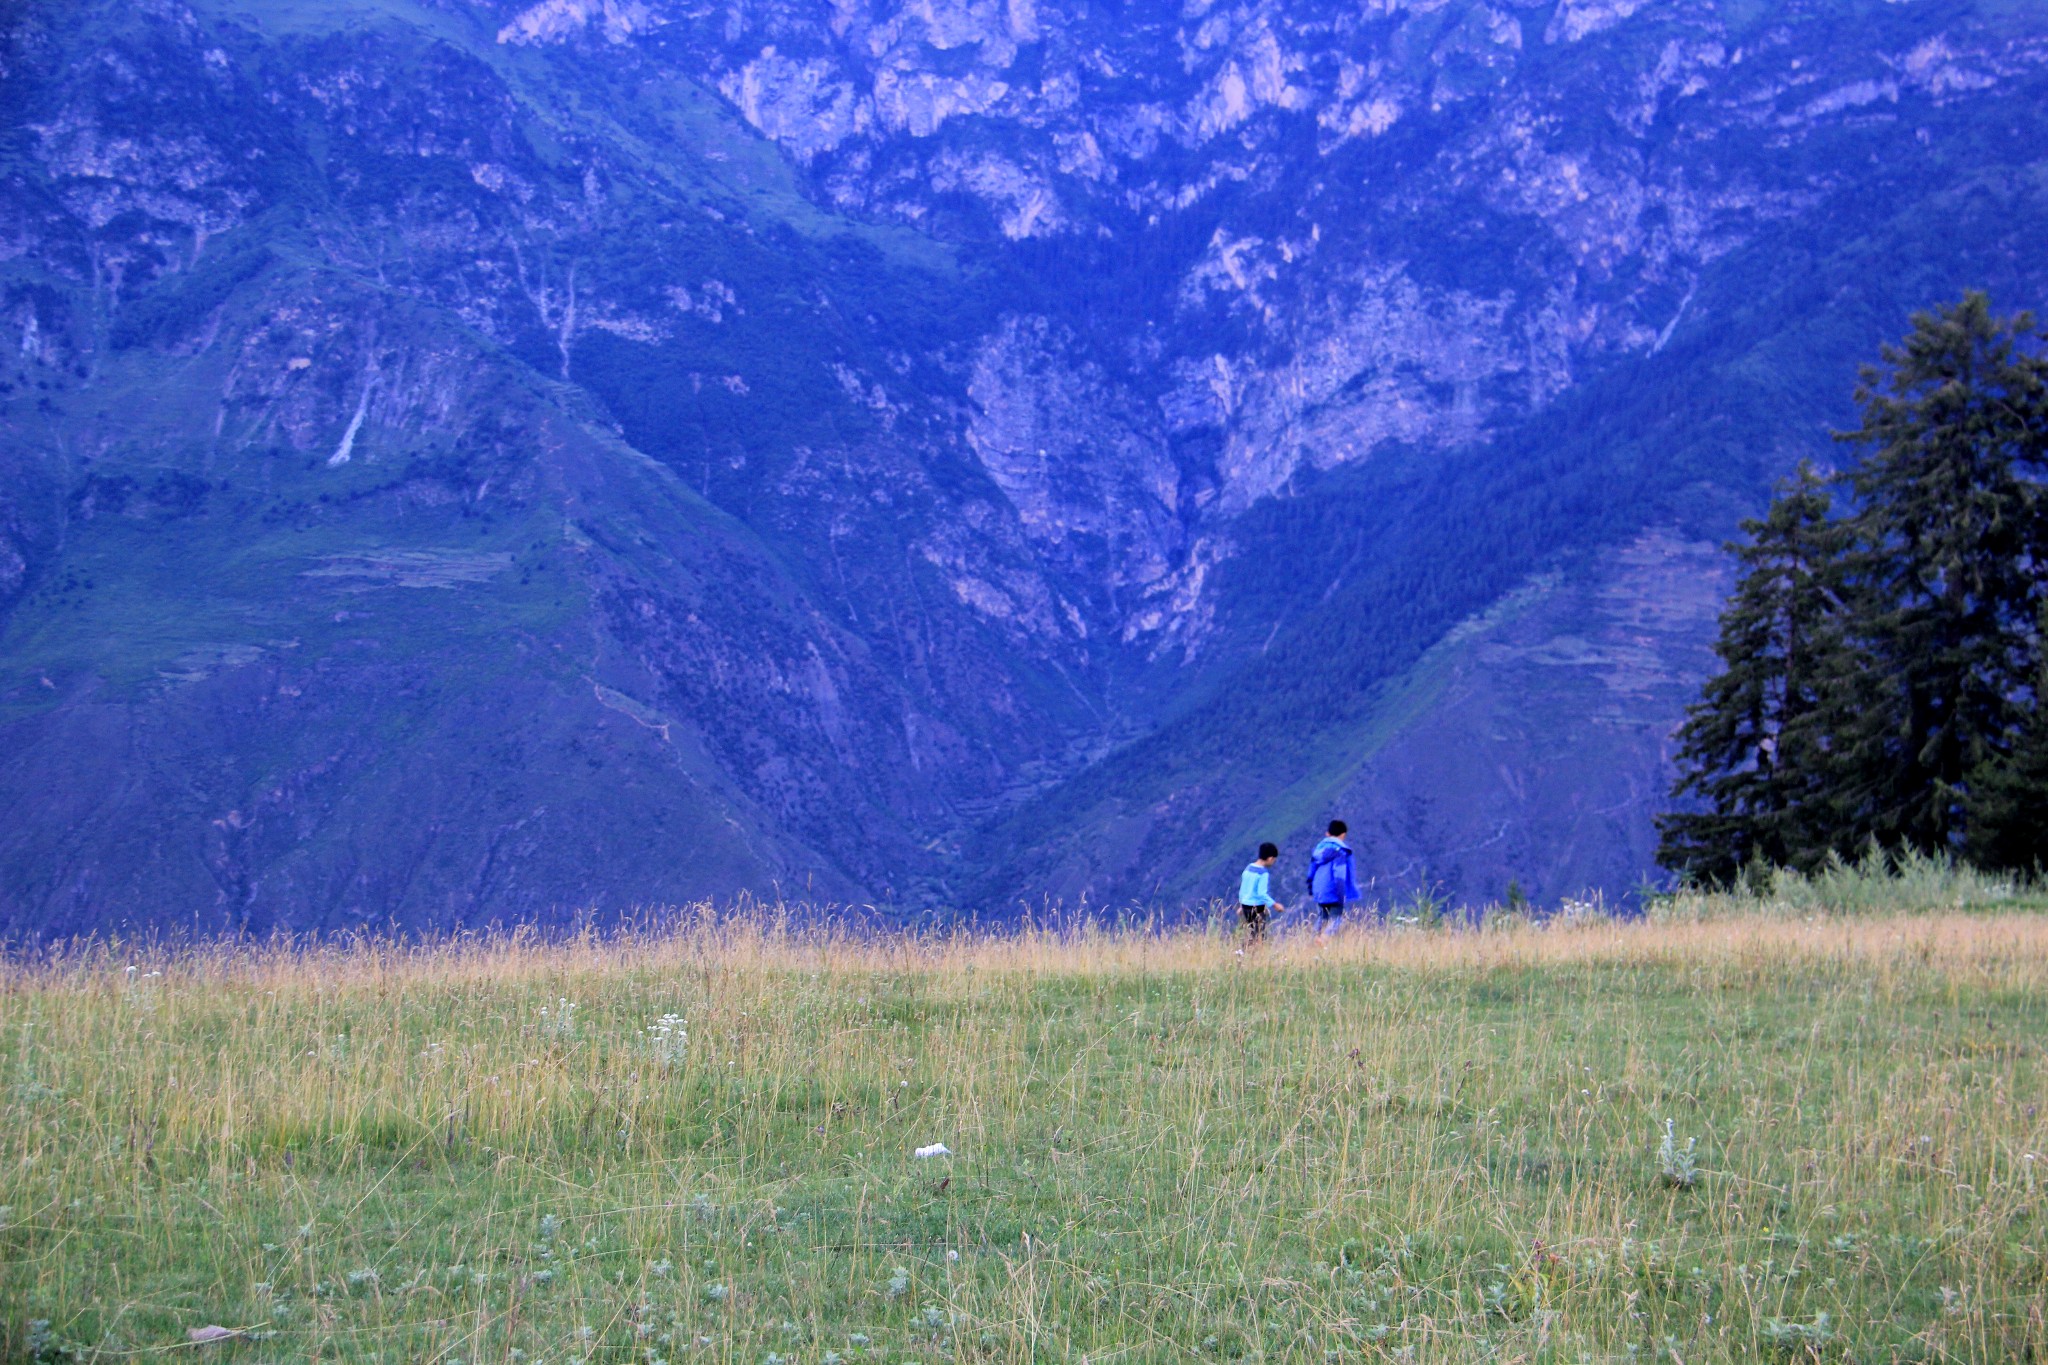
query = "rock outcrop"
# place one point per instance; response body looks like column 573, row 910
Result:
column 504, row 460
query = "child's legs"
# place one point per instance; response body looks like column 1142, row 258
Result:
column 1255, row 920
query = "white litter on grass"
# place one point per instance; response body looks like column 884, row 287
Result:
column 936, row 1149
column 213, row 1331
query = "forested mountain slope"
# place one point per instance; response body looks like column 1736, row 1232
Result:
column 487, row 461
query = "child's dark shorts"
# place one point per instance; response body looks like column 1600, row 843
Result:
column 1255, row 917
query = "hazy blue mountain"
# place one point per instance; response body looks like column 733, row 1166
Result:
column 468, row 461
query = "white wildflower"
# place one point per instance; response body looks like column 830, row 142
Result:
column 667, row 1039
column 559, row 1026
column 1676, row 1165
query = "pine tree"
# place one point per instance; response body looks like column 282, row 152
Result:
column 1885, row 678
column 1946, row 574
column 1752, row 748
column 2009, row 799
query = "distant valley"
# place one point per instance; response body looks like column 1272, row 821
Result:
column 467, row 463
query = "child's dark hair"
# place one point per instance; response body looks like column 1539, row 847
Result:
column 1339, row 827
column 1269, row 850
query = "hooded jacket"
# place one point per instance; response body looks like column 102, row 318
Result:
column 1333, row 872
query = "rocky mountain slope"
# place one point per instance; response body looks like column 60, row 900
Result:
column 473, row 461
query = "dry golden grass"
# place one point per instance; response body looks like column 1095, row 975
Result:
column 1421, row 1144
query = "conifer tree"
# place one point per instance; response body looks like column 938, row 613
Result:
column 2009, row 798
column 1751, row 748
column 1945, row 573
column 1884, row 679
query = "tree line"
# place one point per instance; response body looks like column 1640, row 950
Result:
column 1884, row 669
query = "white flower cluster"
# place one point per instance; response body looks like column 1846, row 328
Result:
column 1677, row 1166
column 668, row 1040
column 1571, row 911
column 560, row 1026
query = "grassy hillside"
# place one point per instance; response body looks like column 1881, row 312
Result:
column 1408, row 554
column 1411, row 1145
column 329, row 511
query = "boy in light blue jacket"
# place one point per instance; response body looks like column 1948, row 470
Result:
column 1255, row 893
column 1333, row 876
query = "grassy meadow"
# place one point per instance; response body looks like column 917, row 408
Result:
column 1736, row 1131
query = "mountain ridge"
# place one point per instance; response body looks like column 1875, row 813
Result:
column 581, row 459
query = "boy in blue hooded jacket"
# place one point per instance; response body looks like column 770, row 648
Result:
column 1333, row 876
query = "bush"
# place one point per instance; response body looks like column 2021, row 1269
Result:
column 1877, row 884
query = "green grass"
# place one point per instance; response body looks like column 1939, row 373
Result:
column 1426, row 1146
column 1877, row 883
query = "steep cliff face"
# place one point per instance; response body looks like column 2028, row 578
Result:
column 474, row 460
column 333, row 347
column 1394, row 222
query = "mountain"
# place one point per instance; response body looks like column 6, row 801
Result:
column 469, row 462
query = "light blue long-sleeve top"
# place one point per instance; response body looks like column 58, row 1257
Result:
column 1256, row 886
